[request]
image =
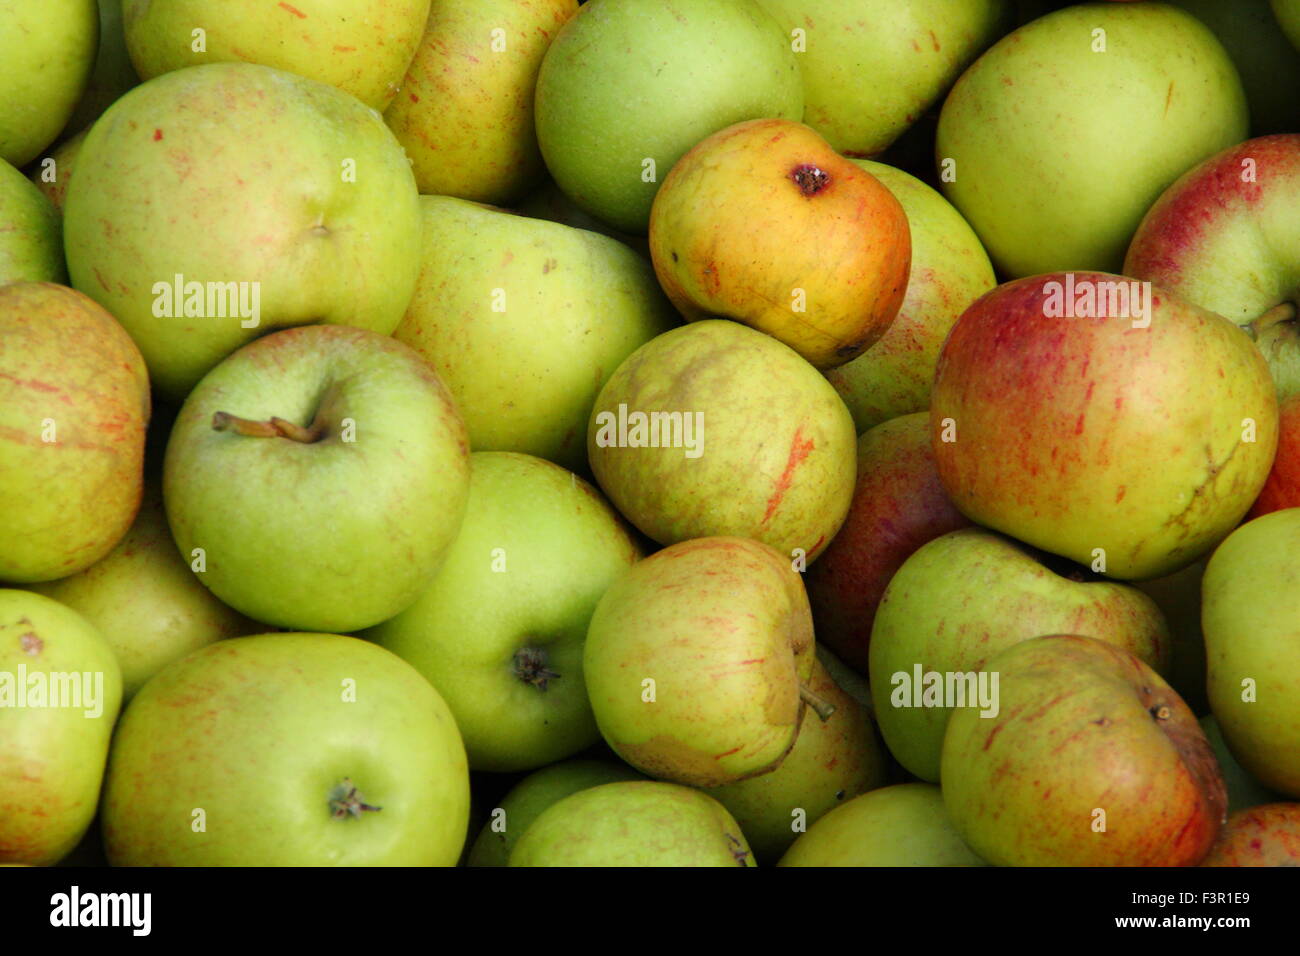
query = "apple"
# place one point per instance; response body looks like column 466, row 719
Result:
column 628, row 86
column 531, row 796
column 1282, row 487
column 1288, row 18
column 51, row 176
column 360, row 46
column 1244, row 791
column 776, row 462
column 950, row 270
column 698, row 660
column 1054, row 165
column 500, row 629
column 286, row 750
column 898, row 505
column 635, row 823
column 1248, row 612
column 60, row 689
column 1103, row 420
column 214, row 203
column 465, row 112
column 74, row 405
column 1261, row 836
column 31, row 246
column 317, row 478
column 1225, row 237
column 112, row 75
column 524, row 321
column 47, row 51
column 1178, row 596
column 1092, row 760
column 764, row 223
column 959, row 600
column 832, row 761
column 145, row 601
column 872, row 67
column 549, row 203
column 902, row 825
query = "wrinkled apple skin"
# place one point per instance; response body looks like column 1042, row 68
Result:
column 1267, row 835
column 1076, row 434
column 1084, row 729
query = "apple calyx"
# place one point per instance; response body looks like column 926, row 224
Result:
column 346, row 801
column 530, row 667
column 810, row 179
column 823, row 707
column 274, row 428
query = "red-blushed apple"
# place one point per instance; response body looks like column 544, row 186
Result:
column 763, row 222
column 1092, row 760
column 898, row 505
column 1267, row 835
column 1104, row 420
column 1226, row 236
column 1282, row 487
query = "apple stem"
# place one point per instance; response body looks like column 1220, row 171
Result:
column 346, row 801
column 275, row 428
column 1282, row 312
column 818, row 703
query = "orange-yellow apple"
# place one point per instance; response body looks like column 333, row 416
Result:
column 764, row 223
column 1102, row 419
column 1268, row 835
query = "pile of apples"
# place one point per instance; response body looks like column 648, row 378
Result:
column 649, row 432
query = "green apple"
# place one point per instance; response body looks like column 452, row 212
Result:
column 360, row 46
column 31, row 244
column 1029, row 154
column 74, row 405
column 1091, row 760
column 960, row 599
column 872, row 67
column 1249, row 608
column 636, row 823
column 286, row 750
column 51, row 175
column 832, row 761
column 47, row 51
column 628, row 86
column 525, row 320
column 950, row 270
column 113, row 74
column 902, row 825
column 317, row 477
column 1288, row 18
column 500, row 630
column 698, row 659
column 717, row 429
column 531, row 796
column 548, row 202
column 215, row 203
column 60, row 689
column 145, row 601
column 1244, row 791
column 465, row 113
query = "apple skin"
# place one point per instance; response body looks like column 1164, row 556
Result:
column 1282, row 487
column 526, row 368
column 537, row 549
column 359, row 46
column 777, row 456
column 626, row 81
column 1248, row 608
column 898, row 505
column 465, row 111
column 902, row 825
column 635, row 823
column 1074, row 434
column 339, row 533
column 764, row 223
column 47, row 51
column 223, row 730
column 68, row 373
column 870, row 69
column 1178, row 596
column 113, row 74
column 963, row 597
column 31, row 241
column 535, row 793
column 1083, row 727
column 1233, row 247
column 1267, row 835
column 63, row 159
column 234, row 172
column 950, row 270
column 1244, row 791
column 718, row 632
column 145, row 601
column 51, row 758
column 1039, row 205
column 1288, row 18
column 549, row 203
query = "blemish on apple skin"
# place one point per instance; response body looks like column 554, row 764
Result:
column 157, row 135
column 799, row 449
column 810, row 179
column 294, row 10
column 31, row 644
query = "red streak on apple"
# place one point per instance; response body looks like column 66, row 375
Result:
column 799, row 449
